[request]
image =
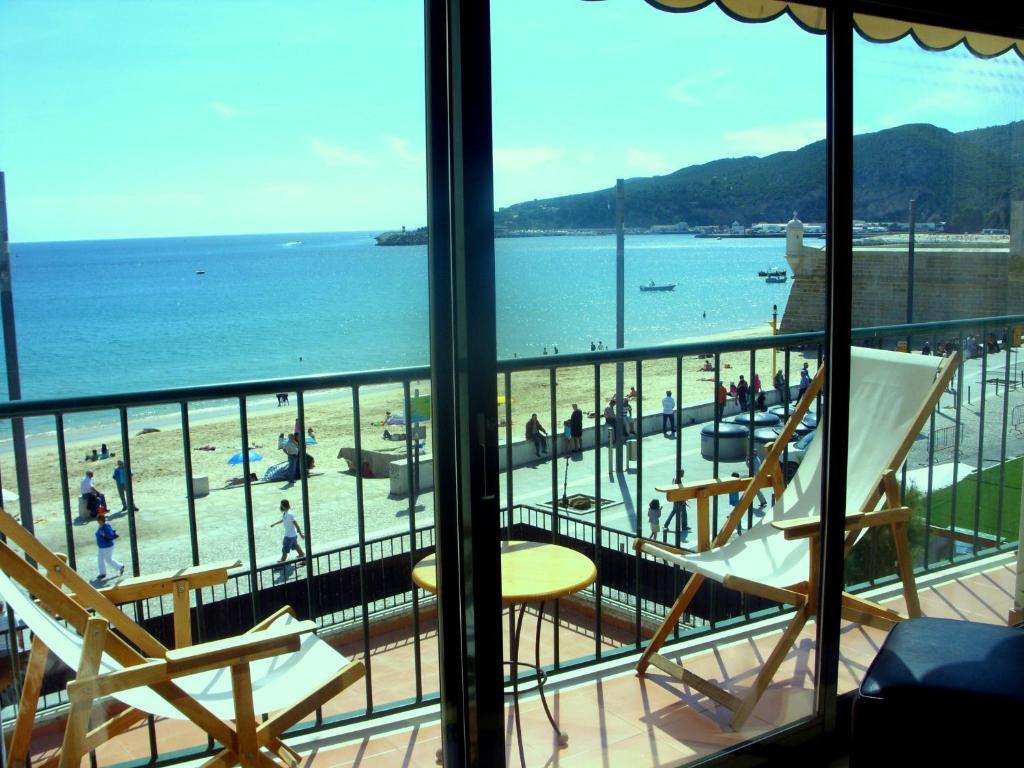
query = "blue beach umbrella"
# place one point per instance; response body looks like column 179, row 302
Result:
column 239, row 459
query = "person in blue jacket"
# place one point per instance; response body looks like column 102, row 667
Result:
column 105, row 535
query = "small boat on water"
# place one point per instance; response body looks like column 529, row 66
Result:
column 776, row 278
column 292, row 243
column 200, row 271
column 652, row 287
column 773, row 272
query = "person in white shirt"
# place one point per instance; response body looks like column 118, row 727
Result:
column 292, row 533
column 93, row 498
column 668, row 414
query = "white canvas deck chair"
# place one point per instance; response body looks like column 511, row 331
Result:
column 223, row 686
column 892, row 395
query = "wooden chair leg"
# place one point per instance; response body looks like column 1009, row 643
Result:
column 245, row 717
column 681, row 604
column 32, row 686
column 906, row 568
column 771, row 666
column 73, row 749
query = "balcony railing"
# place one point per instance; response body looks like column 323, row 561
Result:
column 354, row 586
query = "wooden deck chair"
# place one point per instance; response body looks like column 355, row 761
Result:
column 891, row 397
column 223, row 686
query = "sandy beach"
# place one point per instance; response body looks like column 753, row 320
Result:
column 160, row 484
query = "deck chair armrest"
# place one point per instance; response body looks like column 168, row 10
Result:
column 712, row 487
column 239, row 649
column 157, row 584
column 805, row 527
column 640, row 541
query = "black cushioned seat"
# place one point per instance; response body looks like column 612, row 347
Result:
column 942, row 690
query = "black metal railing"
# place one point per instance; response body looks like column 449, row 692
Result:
column 351, row 584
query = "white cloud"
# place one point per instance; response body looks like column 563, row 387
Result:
column 690, row 90
column 224, row 110
column 646, row 162
column 767, row 139
column 400, row 147
column 338, row 155
column 524, row 159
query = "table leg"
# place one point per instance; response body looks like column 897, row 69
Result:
column 514, row 648
column 563, row 737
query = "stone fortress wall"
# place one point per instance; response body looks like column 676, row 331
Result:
column 952, row 279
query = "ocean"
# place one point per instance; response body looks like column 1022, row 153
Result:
column 108, row 316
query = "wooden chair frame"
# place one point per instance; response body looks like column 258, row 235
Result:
column 801, row 596
column 94, row 614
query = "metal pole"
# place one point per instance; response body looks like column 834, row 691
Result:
column 11, row 361
column 620, row 314
column 775, row 332
column 910, row 265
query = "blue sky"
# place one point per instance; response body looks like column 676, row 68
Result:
column 134, row 119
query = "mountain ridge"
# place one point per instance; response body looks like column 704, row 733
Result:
column 965, row 179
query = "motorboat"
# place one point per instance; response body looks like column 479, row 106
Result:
column 776, row 278
column 651, row 286
column 773, row 272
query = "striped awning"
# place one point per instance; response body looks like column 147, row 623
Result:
column 878, row 29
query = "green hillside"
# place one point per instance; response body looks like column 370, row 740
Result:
column 965, row 179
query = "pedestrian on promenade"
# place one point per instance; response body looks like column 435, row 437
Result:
column 121, row 480
column 292, row 532
column 723, row 397
column 734, row 499
column 105, row 535
column 654, row 517
column 668, row 414
column 781, row 388
column 567, row 436
column 535, row 431
column 755, row 383
column 805, row 382
column 741, row 393
column 576, row 425
column 678, row 512
column 753, row 464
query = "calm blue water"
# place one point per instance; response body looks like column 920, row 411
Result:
column 120, row 315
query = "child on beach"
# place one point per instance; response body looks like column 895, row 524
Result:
column 105, row 535
column 292, row 533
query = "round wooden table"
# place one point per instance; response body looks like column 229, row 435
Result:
column 531, row 572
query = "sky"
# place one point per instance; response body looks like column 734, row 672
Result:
column 144, row 119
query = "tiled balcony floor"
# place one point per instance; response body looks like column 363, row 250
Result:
column 613, row 717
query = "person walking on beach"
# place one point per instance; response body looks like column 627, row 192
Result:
column 121, row 481
column 781, row 388
column 576, row 427
column 292, row 532
column 105, row 535
column 668, row 414
column 291, row 448
column 741, row 393
column 805, row 382
column 535, row 431
column 95, row 501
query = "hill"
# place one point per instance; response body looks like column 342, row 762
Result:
column 964, row 179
